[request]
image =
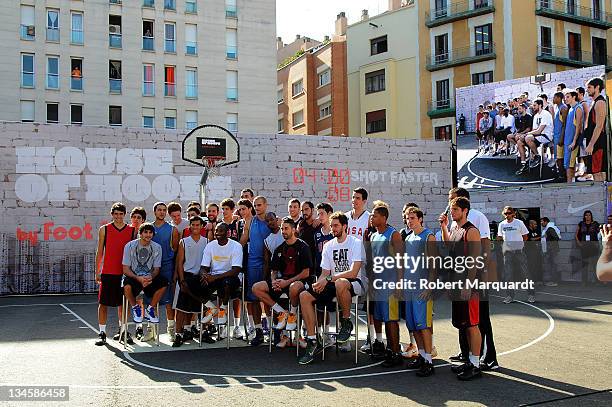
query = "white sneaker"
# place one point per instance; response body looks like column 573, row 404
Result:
column 282, row 321
column 149, row 333
column 291, row 322
column 222, row 332
column 531, row 299
column 210, row 314
column 585, row 178
column 250, row 333
column 345, row 347
column 365, row 347
column 237, row 334
column 284, row 342
column 552, row 163
column 410, row 351
column 171, row 332
column 330, row 340
column 221, row 316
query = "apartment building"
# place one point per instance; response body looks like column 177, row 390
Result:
column 140, row 63
column 312, row 85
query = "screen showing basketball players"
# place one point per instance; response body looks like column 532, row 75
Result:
column 547, row 128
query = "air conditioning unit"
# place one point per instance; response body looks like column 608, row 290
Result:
column 114, row 29
column 31, row 30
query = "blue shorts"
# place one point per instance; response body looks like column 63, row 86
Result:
column 419, row 314
column 387, row 311
column 167, row 271
column 253, row 275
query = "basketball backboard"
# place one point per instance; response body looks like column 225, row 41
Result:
column 211, row 141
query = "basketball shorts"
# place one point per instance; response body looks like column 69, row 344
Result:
column 388, row 310
column 110, row 292
column 466, row 313
column 419, row 314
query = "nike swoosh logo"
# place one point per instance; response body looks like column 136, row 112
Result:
column 573, row 210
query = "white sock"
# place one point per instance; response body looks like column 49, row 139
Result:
column 277, row 308
column 210, row 305
column 313, row 337
column 236, row 321
column 372, row 331
column 428, row 357
column 103, row 328
column 412, row 338
column 379, row 336
column 251, row 322
column 258, row 326
column 293, row 310
column 422, row 353
column 474, row 360
column 523, row 162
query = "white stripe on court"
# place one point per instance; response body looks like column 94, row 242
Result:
column 78, row 317
column 578, row 298
column 45, row 305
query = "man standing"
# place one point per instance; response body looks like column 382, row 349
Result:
column 293, row 208
column 227, row 210
column 307, row 227
column 572, row 134
column 176, row 211
column 596, row 159
column 112, row 239
column 550, row 250
column 559, row 121
column 465, row 242
column 542, row 134
column 513, row 233
column 323, row 234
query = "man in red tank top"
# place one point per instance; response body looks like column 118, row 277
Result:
column 112, row 238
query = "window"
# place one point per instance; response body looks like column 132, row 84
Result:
column 169, row 81
column 441, row 48
column 480, row 4
column 482, row 77
column 297, row 88
column 232, row 85
column 442, row 94
column 483, row 39
column 375, row 81
column 443, row 133
column 191, row 119
column 52, row 72
column 27, row 29
column 53, row 25
column 27, row 111
column 76, row 74
column 191, row 35
column 148, row 117
column 191, row 6
column 574, row 43
column 280, row 96
column 148, row 80
column 597, row 15
column 114, row 115
column 76, row 114
column 114, row 31
column 52, row 113
column 324, row 77
column 231, row 43
column 27, row 70
column 280, row 127
column 170, row 119
column 600, row 52
column 169, row 5
column 378, row 45
column 76, row 34
column 546, row 40
column 298, row 118
column 169, row 37
column 325, row 110
column 191, row 83
column 230, row 9
column 376, row 121
column 232, row 122
column 571, row 7
column 114, row 74
column 148, row 39
column 440, row 9
column 115, row 1
column 148, row 3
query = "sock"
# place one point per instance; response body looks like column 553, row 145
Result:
column 428, row 357
column 422, row 353
column 412, row 338
column 311, row 337
column 379, row 336
column 277, row 308
column 474, row 360
column 210, row 305
column 258, row 326
column 523, row 162
column 103, row 328
column 293, row 310
column 372, row 331
column 251, row 322
column 236, row 321
column 170, row 323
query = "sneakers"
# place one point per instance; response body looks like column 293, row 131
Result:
column 259, row 337
column 416, row 363
column 585, row 178
column 469, row 373
column 302, row 343
column 531, row 299
column 346, row 328
column 524, row 168
column 345, row 347
column 508, row 300
column 457, row 358
column 222, row 316
column 223, row 332
column 282, row 321
column 237, row 333
column 265, row 326
column 411, row 352
column 250, row 333
column 312, row 349
column 187, row 335
column 137, row 314
column 207, row 337
column 284, row 342
column 486, row 366
column 426, row 369
column 460, row 368
column 392, row 359
column 330, row 340
column 210, row 314
column 291, row 322
column 552, row 163
column 535, row 162
column 150, row 335
column 119, row 337
column 378, row 349
column 139, row 332
column 150, row 315
column 101, row 339
column 551, row 284
column 178, row 341
column 365, row 347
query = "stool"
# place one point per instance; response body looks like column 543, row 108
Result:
column 125, row 324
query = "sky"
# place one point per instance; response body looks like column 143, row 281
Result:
column 316, row 18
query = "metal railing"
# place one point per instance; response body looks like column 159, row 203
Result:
column 571, row 11
column 455, row 11
column 169, row 45
column 53, row 34
column 76, row 83
column 169, row 89
column 114, row 85
column 459, row 56
column 573, row 57
column 114, row 40
column 148, row 43
column 76, row 37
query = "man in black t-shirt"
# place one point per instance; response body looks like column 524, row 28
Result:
column 307, row 227
column 533, row 251
column 291, row 268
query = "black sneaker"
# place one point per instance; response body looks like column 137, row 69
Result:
column 346, row 328
column 460, row 368
column 469, row 373
column 139, row 333
column 259, row 337
column 524, row 168
column 426, row 370
column 416, row 363
column 187, row 335
column 392, row 359
column 378, row 349
column 101, row 339
column 313, row 347
column 535, row 162
column 178, row 341
column 195, row 331
column 207, row 337
column 458, row 358
column 485, row 366
column 119, row 337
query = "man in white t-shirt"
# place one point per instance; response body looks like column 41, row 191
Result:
column 542, row 133
column 221, row 264
column 513, row 233
column 340, row 278
column 358, row 217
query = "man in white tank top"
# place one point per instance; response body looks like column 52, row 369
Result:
column 188, row 287
column 358, row 217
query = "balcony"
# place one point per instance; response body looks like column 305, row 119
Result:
column 114, row 86
column 563, row 10
column 114, row 40
column 460, row 56
column 232, row 94
column 53, row 34
column 573, row 58
column 191, row 48
column 76, row 83
column 458, row 11
column 148, row 43
column 169, row 89
column 170, row 46
column 440, row 108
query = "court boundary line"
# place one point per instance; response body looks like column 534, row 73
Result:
column 572, row 296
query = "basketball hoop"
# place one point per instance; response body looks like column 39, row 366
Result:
column 212, row 166
column 540, row 80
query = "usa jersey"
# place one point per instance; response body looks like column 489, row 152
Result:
column 357, row 227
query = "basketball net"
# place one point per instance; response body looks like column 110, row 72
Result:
column 212, row 166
